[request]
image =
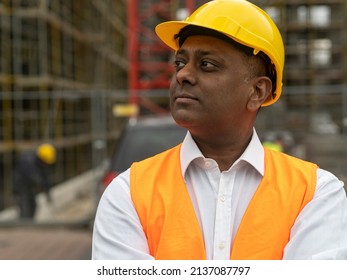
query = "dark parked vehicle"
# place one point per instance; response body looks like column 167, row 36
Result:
column 143, row 138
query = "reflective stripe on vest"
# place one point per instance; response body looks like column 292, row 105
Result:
column 168, row 218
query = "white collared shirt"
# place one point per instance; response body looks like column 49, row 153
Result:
column 220, row 200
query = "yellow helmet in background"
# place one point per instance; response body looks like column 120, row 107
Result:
column 243, row 22
column 46, row 153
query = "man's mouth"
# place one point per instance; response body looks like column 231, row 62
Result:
column 185, row 96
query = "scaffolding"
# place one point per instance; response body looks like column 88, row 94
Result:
column 61, row 65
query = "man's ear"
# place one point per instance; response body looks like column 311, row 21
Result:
column 261, row 90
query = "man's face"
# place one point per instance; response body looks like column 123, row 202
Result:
column 211, row 86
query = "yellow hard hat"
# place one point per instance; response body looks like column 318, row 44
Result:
column 240, row 20
column 46, row 153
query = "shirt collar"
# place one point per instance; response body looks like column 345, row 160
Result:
column 253, row 154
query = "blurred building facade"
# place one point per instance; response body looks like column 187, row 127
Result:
column 65, row 64
column 315, row 74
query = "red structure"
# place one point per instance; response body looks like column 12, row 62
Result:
column 148, row 58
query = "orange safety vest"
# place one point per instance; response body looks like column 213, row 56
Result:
column 172, row 229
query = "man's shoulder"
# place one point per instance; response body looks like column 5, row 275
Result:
column 287, row 157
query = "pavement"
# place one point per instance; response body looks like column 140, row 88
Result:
column 61, row 230
column 45, row 244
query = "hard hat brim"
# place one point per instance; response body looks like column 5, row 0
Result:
column 166, row 31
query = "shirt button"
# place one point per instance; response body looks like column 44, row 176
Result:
column 207, row 164
column 221, row 246
column 222, row 198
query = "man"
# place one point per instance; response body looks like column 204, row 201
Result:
column 31, row 175
column 221, row 194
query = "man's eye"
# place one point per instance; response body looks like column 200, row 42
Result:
column 207, row 64
column 179, row 64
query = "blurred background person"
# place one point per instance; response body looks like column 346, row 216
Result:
column 273, row 143
column 32, row 176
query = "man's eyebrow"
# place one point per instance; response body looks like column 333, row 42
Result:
column 198, row 52
column 181, row 51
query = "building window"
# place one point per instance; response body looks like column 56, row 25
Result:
column 320, row 54
column 320, row 15
column 302, row 14
column 274, row 13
